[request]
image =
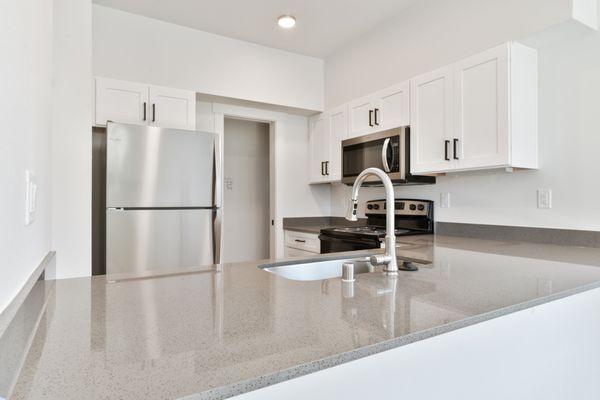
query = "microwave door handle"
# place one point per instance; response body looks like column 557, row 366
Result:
column 384, row 160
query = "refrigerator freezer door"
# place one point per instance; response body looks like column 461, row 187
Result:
column 155, row 242
column 156, row 167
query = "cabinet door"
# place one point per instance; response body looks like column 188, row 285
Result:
column 318, row 148
column 121, row 101
column 361, row 116
column 393, row 108
column 431, row 122
column 481, row 97
column 337, row 120
column 172, row 108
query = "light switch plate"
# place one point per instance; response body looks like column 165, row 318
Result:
column 30, row 197
column 544, row 198
column 445, row 200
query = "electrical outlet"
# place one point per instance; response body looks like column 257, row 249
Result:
column 445, row 200
column 544, row 198
column 228, row 183
column 30, row 197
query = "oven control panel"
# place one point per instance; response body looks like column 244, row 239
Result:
column 408, row 207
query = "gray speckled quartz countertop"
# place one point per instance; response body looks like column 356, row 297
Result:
column 233, row 328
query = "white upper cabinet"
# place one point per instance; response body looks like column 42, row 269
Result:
column 361, row 116
column 386, row 109
column 172, row 108
column 432, row 106
column 481, row 117
column 327, row 130
column 393, row 109
column 338, row 130
column 319, row 149
column 121, row 101
column 478, row 113
column 141, row 104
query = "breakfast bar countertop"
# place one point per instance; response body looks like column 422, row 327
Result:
column 232, row 328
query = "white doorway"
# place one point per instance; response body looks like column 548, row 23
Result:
column 246, row 190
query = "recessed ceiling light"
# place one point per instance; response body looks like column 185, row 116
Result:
column 286, row 21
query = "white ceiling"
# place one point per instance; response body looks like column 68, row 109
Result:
column 322, row 25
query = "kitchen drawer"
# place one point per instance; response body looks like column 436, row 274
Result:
column 303, row 241
column 291, row 252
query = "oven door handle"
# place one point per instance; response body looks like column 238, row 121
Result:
column 384, row 159
column 328, row 238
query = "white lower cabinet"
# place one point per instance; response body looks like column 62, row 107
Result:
column 478, row 113
column 299, row 244
column 137, row 103
column 327, row 131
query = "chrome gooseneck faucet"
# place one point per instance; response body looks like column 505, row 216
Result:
column 389, row 258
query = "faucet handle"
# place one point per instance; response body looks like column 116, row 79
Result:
column 348, row 272
column 380, row 259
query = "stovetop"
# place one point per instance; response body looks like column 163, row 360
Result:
column 411, row 217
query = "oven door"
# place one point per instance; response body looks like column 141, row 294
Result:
column 384, row 150
column 331, row 244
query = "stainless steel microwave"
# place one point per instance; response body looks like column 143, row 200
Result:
column 387, row 150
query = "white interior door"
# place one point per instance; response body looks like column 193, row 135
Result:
column 482, row 89
column 172, row 108
column 121, row 101
column 338, row 131
column 431, row 121
column 246, row 194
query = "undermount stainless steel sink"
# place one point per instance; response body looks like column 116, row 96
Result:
column 317, row 269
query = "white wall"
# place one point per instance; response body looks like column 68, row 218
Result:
column 295, row 197
column 25, row 129
column 569, row 121
column 72, row 138
column 135, row 48
column 246, row 208
column 546, row 352
column 431, row 34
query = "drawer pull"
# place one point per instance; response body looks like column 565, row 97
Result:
column 455, row 146
column 299, row 241
column 446, row 156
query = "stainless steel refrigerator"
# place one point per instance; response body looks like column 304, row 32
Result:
column 162, row 201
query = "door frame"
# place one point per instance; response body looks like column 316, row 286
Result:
column 274, row 119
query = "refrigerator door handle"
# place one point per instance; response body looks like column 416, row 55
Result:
column 217, row 174
column 217, row 237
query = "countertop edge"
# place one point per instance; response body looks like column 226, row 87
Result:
column 303, row 229
column 297, row 371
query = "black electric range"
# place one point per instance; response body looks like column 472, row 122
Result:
column 412, row 217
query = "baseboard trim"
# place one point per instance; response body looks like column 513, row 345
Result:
column 19, row 322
